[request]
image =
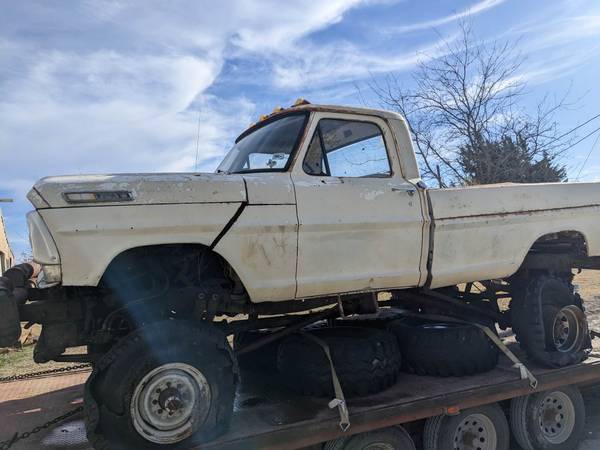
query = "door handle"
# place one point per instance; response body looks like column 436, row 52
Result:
column 410, row 190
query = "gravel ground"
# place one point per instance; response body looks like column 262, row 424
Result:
column 588, row 284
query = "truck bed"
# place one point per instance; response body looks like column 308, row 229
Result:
column 268, row 417
column 485, row 232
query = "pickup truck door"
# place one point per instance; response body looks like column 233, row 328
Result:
column 360, row 221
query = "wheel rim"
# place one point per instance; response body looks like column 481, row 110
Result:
column 568, row 329
column 556, row 417
column 475, row 432
column 170, row 402
column 379, row 446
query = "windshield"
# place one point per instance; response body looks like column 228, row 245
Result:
column 268, row 148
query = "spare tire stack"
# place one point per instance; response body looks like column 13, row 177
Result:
column 366, row 361
column 443, row 348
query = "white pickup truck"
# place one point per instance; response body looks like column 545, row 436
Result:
column 313, row 206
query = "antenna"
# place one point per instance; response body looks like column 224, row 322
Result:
column 197, row 142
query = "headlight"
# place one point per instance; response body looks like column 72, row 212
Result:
column 43, row 248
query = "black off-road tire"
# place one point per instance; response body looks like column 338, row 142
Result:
column 533, row 306
column 109, row 389
column 532, row 431
column 366, row 361
column 262, row 359
column 443, row 348
column 441, row 431
column 393, row 437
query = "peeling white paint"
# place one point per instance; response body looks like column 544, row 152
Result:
column 371, row 195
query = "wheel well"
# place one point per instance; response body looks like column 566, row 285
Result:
column 154, row 271
column 563, row 242
column 554, row 252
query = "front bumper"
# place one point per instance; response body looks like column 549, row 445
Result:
column 44, row 251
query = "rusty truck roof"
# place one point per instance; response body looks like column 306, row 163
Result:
column 310, row 107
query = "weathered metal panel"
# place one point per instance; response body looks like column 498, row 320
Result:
column 262, row 247
column 89, row 238
column 356, row 234
column 158, row 188
column 511, row 198
column 406, row 155
column 485, row 232
column 270, row 188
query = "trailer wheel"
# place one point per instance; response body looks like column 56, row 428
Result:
column 443, row 349
column 162, row 385
column 548, row 420
column 366, row 361
column 549, row 322
column 481, row 428
column 393, row 438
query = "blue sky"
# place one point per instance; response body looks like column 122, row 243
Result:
column 117, row 86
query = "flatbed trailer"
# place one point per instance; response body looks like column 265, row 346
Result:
column 269, row 417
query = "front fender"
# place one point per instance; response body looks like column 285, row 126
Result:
column 88, row 238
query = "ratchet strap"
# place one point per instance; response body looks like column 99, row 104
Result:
column 523, row 370
column 339, row 401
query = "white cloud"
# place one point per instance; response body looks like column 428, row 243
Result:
column 472, row 10
column 318, row 65
column 559, row 47
column 112, row 86
column 109, row 86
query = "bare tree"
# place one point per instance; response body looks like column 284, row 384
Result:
column 463, row 97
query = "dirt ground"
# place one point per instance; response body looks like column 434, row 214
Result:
column 588, row 286
column 28, row 403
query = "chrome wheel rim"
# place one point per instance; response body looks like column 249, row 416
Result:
column 170, row 402
column 475, row 432
column 568, row 329
column 556, row 417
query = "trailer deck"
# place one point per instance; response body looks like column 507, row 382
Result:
column 269, row 417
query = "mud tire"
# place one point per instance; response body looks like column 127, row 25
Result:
column 263, row 358
column 108, row 391
column 443, row 349
column 533, row 305
column 366, row 360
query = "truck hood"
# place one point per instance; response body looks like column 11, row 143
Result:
column 136, row 189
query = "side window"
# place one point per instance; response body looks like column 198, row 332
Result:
column 314, row 162
column 344, row 148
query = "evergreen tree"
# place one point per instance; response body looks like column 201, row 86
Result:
column 509, row 159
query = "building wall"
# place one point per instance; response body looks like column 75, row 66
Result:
column 7, row 258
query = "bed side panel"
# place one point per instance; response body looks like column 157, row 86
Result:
column 483, row 233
